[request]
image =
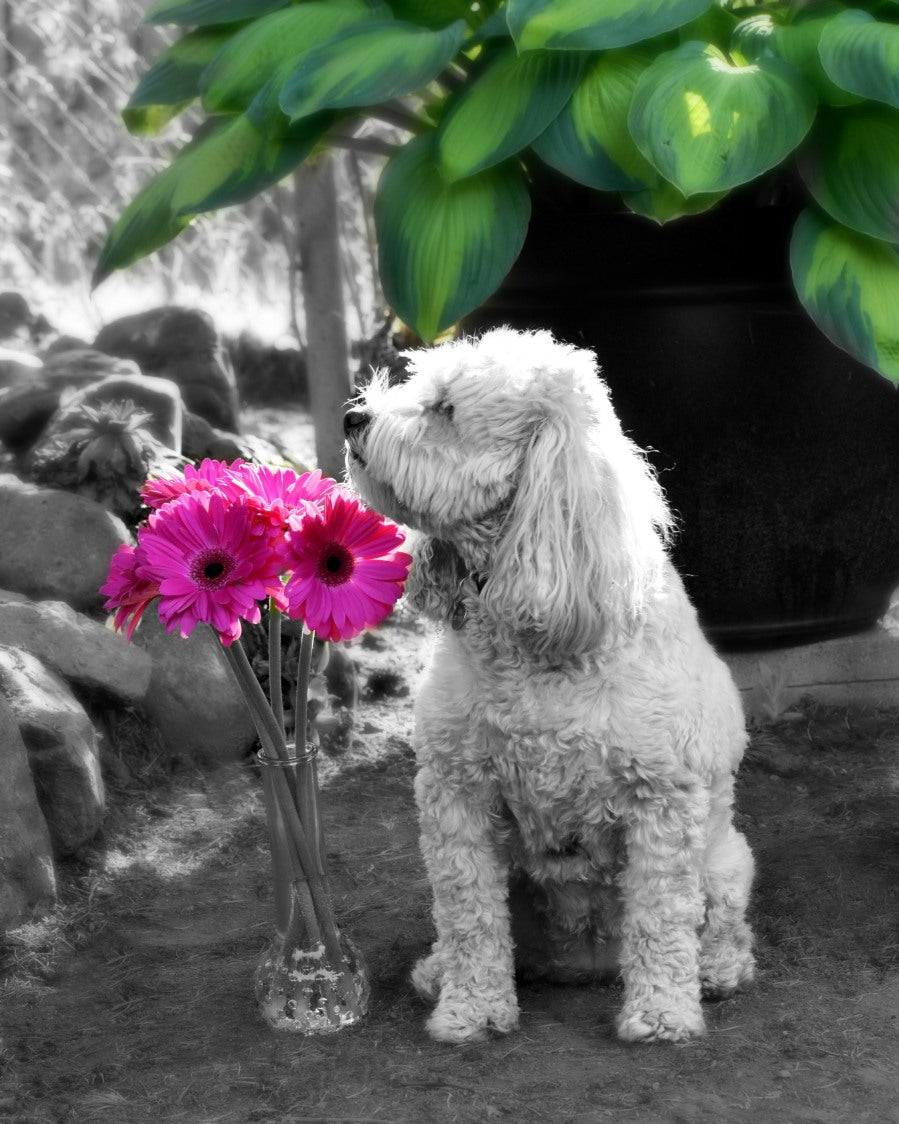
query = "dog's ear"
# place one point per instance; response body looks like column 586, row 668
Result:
column 584, row 541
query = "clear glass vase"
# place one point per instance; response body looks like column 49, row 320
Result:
column 300, row 988
column 311, row 979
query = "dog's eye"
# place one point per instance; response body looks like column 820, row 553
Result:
column 444, row 409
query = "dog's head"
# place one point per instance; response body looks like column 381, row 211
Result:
column 507, row 447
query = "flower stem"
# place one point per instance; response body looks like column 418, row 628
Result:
column 270, row 734
column 275, row 693
column 282, row 866
column 307, row 774
column 303, row 669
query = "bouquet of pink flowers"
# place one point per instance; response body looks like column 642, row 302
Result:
column 221, row 541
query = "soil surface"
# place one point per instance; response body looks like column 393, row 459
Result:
column 134, row 1002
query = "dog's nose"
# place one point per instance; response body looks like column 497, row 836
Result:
column 355, row 420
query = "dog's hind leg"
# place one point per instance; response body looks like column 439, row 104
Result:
column 470, row 969
column 726, row 960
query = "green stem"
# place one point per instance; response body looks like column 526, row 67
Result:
column 275, row 693
column 307, row 785
column 270, row 734
column 304, row 667
column 282, row 866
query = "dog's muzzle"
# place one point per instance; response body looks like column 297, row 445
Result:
column 355, row 422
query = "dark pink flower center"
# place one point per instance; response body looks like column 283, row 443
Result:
column 335, row 564
column 212, row 569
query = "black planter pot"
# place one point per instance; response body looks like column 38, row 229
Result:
column 778, row 451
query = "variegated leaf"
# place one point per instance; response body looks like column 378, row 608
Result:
column 276, row 42
column 708, row 125
column 444, row 248
column 849, row 285
column 587, row 25
column 851, row 167
column 228, row 165
column 861, row 54
column 369, row 64
column 508, row 106
column 199, row 13
column 589, row 141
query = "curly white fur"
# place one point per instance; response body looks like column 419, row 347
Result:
column 577, row 736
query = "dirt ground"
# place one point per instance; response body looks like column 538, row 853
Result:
column 134, row 1002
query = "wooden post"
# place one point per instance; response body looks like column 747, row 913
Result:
column 327, row 354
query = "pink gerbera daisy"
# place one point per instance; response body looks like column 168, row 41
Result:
column 278, row 493
column 208, row 476
column 346, row 570
column 126, row 591
column 209, row 563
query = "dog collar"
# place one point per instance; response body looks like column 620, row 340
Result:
column 468, row 583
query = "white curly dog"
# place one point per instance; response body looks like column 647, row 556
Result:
column 577, row 736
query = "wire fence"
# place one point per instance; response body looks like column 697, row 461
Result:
column 68, row 167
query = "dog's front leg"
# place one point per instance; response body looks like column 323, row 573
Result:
column 470, row 970
column 662, row 912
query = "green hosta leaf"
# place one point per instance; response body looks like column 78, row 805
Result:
column 796, row 43
column 508, row 106
column 369, row 64
column 851, row 167
column 714, row 25
column 589, row 141
column 664, row 202
column 588, row 25
column 496, row 26
column 432, row 13
column 152, row 119
column 145, row 225
column 171, row 83
column 861, row 54
column 202, row 12
column 230, row 164
column 275, row 43
column 849, row 285
column 445, row 248
column 707, row 125
column 240, row 161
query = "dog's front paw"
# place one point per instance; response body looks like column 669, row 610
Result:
column 464, row 1014
column 427, row 976
column 676, row 1020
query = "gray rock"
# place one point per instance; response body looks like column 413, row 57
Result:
column 62, row 749
column 80, row 366
column 8, row 595
column 25, row 411
column 16, row 317
column 17, row 368
column 160, row 398
column 203, row 440
column 78, row 648
column 54, row 544
column 27, row 405
column 183, row 345
column 193, row 699
column 65, row 343
column 27, row 877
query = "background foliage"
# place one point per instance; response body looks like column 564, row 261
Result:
column 67, row 164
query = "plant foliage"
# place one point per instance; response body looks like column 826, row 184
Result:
column 671, row 104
